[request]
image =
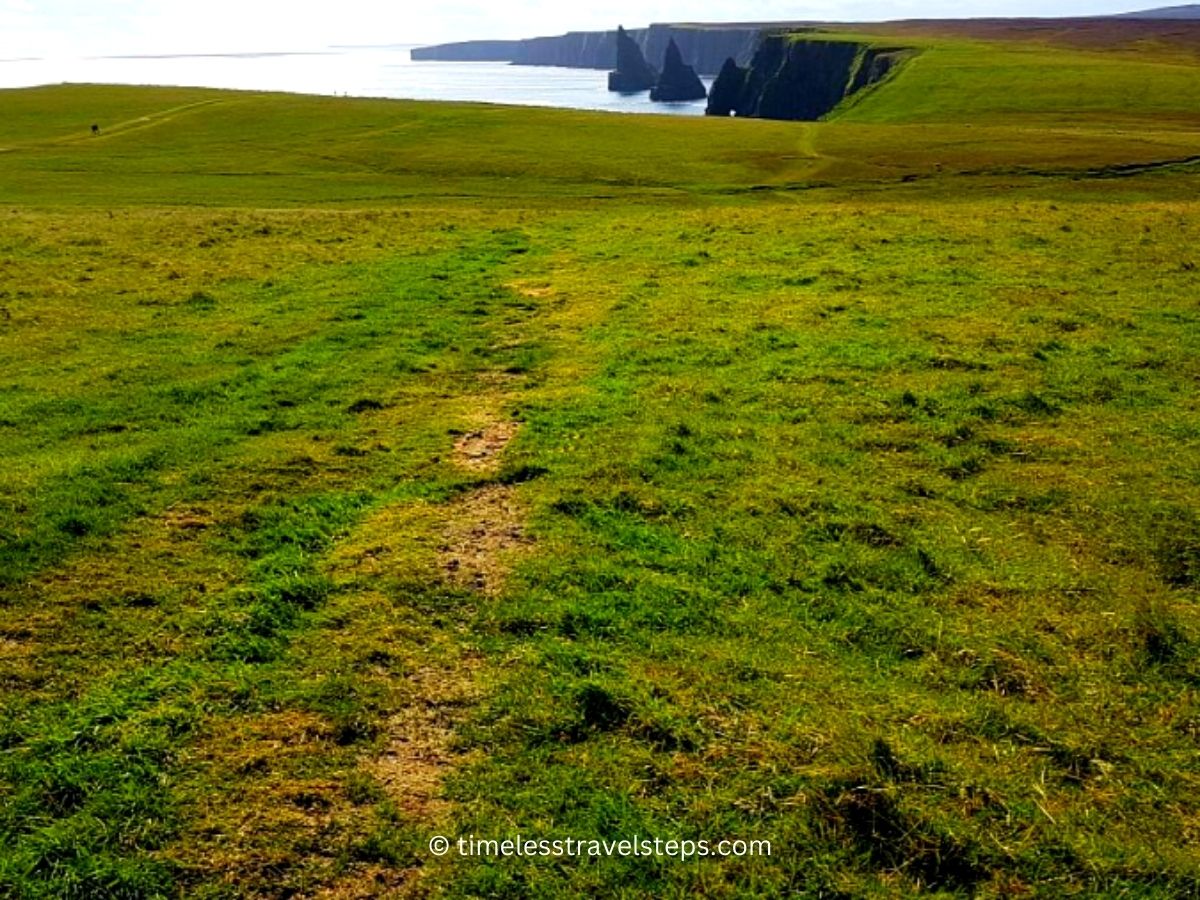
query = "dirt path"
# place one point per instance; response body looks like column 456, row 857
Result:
column 470, row 542
column 479, row 451
column 484, row 527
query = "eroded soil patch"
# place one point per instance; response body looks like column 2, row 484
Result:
column 484, row 527
column 482, row 532
column 480, row 450
column 419, row 750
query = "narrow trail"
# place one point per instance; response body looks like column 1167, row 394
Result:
column 164, row 115
column 117, row 129
column 470, row 540
column 484, row 527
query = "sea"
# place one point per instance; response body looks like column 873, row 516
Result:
column 377, row 71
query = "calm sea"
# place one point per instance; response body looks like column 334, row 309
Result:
column 355, row 71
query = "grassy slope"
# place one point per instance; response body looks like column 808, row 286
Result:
column 304, row 150
column 1016, row 83
column 862, row 515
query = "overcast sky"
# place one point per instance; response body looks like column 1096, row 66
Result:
column 84, row 27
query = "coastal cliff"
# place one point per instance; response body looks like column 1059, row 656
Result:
column 704, row 47
column 798, row 79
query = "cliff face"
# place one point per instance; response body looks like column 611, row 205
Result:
column 574, row 50
column 799, row 79
column 468, row 51
column 706, row 48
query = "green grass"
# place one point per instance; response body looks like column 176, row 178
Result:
column 1017, row 83
column 856, row 481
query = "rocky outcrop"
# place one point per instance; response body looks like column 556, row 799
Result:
column 679, row 81
column 633, row 73
column 727, row 91
column 704, row 46
column 798, row 79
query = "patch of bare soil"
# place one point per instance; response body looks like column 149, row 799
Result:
column 419, row 750
column 410, row 769
column 532, row 291
column 482, row 532
column 480, row 450
column 183, row 519
column 483, row 528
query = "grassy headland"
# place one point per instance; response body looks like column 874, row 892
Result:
column 376, row 470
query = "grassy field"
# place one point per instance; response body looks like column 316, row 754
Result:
column 372, row 470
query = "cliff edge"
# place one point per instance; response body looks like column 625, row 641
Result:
column 800, row 79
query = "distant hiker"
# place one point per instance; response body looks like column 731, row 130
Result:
column 95, row 129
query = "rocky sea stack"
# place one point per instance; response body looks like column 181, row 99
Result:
column 633, row 73
column 726, row 95
column 679, row 81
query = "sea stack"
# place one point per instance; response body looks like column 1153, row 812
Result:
column 678, row 81
column 633, row 73
column 725, row 98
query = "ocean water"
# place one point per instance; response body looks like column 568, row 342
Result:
column 353, row 71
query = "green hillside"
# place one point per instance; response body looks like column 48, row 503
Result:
column 1017, row 83
column 374, row 471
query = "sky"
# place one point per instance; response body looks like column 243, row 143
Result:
column 36, row 28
